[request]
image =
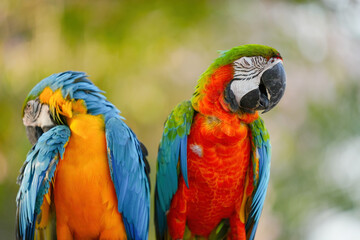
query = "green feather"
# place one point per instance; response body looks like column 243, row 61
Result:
column 175, row 126
column 259, row 135
column 258, row 128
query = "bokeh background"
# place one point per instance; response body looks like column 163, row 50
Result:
column 147, row 56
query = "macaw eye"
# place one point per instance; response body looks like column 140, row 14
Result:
column 246, row 62
column 29, row 106
column 33, row 108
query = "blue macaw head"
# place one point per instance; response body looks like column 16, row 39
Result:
column 59, row 97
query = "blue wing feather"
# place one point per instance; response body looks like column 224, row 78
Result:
column 262, row 158
column 127, row 170
column 172, row 151
column 35, row 177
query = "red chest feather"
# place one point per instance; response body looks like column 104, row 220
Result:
column 218, row 147
column 218, row 159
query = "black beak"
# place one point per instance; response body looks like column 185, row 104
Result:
column 265, row 97
column 273, row 83
column 33, row 134
column 271, row 89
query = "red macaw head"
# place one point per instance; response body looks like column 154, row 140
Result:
column 247, row 78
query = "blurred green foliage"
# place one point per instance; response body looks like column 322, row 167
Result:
column 147, row 56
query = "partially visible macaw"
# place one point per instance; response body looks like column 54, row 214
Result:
column 214, row 156
column 86, row 165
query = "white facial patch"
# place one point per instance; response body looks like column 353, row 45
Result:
column 247, row 74
column 241, row 87
column 42, row 120
column 197, row 149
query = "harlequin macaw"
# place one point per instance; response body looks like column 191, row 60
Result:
column 86, row 165
column 213, row 161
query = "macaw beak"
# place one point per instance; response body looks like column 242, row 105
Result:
column 33, row 134
column 268, row 94
column 274, row 81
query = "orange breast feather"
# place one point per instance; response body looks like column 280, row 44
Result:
column 84, row 194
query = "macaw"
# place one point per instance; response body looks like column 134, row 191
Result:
column 86, row 165
column 213, row 161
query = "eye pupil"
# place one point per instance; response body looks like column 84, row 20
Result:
column 28, row 106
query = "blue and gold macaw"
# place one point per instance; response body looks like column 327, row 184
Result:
column 86, row 165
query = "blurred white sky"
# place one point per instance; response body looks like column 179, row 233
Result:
column 333, row 225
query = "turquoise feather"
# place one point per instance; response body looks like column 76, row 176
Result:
column 172, row 154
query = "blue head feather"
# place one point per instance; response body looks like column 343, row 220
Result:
column 75, row 85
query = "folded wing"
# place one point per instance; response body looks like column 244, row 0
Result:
column 172, row 159
column 35, row 178
column 129, row 175
column 260, row 157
